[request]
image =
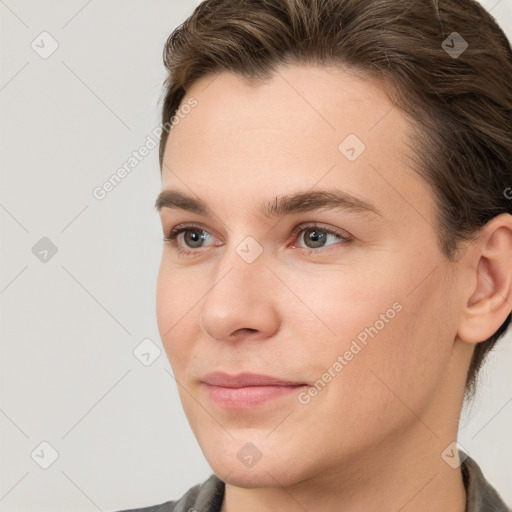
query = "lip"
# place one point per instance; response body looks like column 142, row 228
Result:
column 247, row 390
column 243, row 380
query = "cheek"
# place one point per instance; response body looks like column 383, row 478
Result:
column 394, row 337
column 175, row 302
column 343, row 302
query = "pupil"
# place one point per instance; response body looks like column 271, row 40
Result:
column 194, row 237
column 315, row 237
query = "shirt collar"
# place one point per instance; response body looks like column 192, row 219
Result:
column 480, row 495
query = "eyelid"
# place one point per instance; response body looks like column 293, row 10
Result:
column 341, row 233
column 176, row 230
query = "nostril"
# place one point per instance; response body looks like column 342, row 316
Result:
column 245, row 329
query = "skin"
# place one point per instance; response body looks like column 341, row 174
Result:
column 372, row 438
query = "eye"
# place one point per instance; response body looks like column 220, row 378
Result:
column 187, row 239
column 190, row 240
column 314, row 236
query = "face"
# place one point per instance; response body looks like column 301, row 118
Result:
column 304, row 299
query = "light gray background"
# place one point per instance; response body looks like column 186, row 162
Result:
column 70, row 325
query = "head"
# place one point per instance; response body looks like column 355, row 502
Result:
column 347, row 167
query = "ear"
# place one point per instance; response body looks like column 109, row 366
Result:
column 489, row 299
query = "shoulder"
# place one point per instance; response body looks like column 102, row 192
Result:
column 203, row 497
column 481, row 496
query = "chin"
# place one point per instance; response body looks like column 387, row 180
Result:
column 251, row 478
column 273, row 469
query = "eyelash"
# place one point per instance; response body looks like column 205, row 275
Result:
column 176, row 231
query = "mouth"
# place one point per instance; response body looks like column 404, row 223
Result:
column 247, row 390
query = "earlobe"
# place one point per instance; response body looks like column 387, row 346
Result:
column 490, row 300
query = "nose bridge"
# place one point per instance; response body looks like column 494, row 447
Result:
column 243, row 265
column 240, row 297
column 240, row 276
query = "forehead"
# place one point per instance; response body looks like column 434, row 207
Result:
column 296, row 98
column 307, row 126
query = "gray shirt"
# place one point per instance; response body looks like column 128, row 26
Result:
column 208, row 496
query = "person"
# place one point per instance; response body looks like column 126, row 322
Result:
column 337, row 215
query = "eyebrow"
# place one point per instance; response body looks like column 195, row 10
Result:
column 280, row 206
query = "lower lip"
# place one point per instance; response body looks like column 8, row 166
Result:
column 246, row 397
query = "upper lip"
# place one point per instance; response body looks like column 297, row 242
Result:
column 245, row 380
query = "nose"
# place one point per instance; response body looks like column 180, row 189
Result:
column 241, row 303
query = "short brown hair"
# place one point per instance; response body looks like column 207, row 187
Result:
column 460, row 105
